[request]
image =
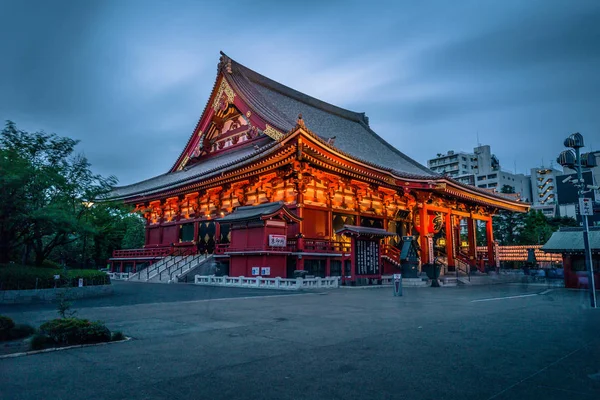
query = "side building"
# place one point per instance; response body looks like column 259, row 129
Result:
column 482, row 169
column 544, row 187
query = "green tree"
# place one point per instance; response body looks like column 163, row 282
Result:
column 135, row 229
column 46, row 192
column 536, row 229
column 508, row 224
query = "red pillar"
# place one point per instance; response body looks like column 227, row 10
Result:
column 472, row 235
column 423, row 222
column 147, row 233
column 352, row 259
column 449, row 239
column 490, row 243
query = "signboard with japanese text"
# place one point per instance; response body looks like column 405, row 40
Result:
column 366, row 257
column 80, row 282
column 255, row 271
column 586, row 206
column 277, row 241
column 265, row 271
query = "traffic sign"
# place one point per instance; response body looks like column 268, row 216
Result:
column 586, row 206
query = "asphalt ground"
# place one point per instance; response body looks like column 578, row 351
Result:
column 128, row 293
column 489, row 342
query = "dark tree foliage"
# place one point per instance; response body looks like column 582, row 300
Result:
column 49, row 201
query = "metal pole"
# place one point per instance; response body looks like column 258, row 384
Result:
column 588, row 261
column 586, row 233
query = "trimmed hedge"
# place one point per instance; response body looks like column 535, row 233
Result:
column 18, row 277
column 70, row 331
column 6, row 325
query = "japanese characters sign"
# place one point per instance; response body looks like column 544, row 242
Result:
column 586, row 206
column 367, row 257
column 277, row 241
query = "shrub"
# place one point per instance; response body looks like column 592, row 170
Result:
column 6, row 324
column 68, row 331
column 118, row 335
column 38, row 341
column 19, row 277
column 21, row 331
column 50, row 264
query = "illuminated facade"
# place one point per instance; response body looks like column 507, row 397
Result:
column 258, row 142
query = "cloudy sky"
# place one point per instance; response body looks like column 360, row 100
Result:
column 130, row 78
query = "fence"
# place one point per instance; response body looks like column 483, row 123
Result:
column 267, row 283
column 119, row 276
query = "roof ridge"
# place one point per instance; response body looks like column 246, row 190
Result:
column 265, row 81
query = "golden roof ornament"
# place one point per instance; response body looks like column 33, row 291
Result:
column 224, row 63
column 300, row 122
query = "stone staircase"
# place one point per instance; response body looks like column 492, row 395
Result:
column 204, row 267
column 143, row 274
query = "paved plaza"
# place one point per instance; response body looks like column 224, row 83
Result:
column 191, row 342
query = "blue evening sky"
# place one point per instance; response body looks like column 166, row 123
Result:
column 130, row 78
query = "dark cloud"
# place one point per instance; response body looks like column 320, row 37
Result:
column 130, row 79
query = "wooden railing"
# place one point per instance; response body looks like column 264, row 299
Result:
column 322, row 246
column 391, row 252
column 293, row 245
column 143, row 253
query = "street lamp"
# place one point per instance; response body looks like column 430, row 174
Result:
column 577, row 162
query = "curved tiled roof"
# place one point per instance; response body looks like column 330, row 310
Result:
column 205, row 169
column 281, row 105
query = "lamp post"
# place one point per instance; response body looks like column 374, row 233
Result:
column 577, row 162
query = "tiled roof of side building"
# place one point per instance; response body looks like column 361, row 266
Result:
column 245, row 213
column 571, row 240
column 352, row 133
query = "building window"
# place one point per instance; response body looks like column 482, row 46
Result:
column 482, row 186
column 481, row 178
column 315, row 267
column 492, row 176
column 186, row 232
column 335, row 268
column 464, row 158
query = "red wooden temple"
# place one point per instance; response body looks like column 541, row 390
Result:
column 258, row 141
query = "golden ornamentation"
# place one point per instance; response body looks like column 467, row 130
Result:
column 438, row 222
column 224, row 89
column 248, row 113
column 182, row 165
column 273, row 133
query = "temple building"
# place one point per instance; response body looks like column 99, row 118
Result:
column 319, row 174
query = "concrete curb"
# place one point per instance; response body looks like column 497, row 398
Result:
column 52, row 349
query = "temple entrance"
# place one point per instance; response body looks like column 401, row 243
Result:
column 206, row 236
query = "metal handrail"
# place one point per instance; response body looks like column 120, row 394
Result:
column 194, row 258
column 181, row 253
column 171, row 253
column 467, row 269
